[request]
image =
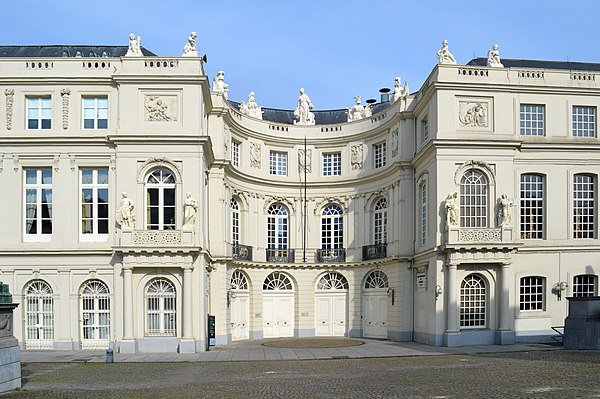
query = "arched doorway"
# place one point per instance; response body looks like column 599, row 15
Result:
column 375, row 305
column 39, row 316
column 331, row 305
column 95, row 315
column 278, row 306
column 239, row 299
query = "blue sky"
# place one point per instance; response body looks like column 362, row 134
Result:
column 334, row 49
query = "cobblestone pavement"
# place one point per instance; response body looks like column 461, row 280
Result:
column 536, row 374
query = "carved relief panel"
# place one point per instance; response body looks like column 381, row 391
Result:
column 161, row 108
column 475, row 113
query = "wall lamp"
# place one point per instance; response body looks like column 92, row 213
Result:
column 438, row 291
column 559, row 288
column 230, row 296
column 392, row 292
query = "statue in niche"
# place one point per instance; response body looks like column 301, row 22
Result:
column 125, row 214
column 304, row 163
column 189, row 50
column 444, row 55
column 135, row 46
column 356, row 158
column 504, row 213
column 255, row 155
column 302, row 114
column 156, row 109
column 395, row 142
column 400, row 93
column 451, row 209
column 219, row 85
column 190, row 211
column 493, row 59
column 358, row 112
column 251, row 109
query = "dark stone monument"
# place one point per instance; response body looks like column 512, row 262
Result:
column 10, row 362
column 582, row 325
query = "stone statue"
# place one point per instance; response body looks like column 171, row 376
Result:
column 302, row 114
column 494, row 57
column 190, row 211
column 189, row 50
column 252, row 108
column 504, row 211
column 255, row 155
column 219, row 85
column 358, row 112
column 395, row 142
column 451, row 209
column 356, row 158
column 125, row 214
column 400, row 93
column 135, row 46
column 444, row 55
column 304, row 161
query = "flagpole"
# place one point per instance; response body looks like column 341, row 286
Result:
column 305, row 201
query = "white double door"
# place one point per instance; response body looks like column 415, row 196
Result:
column 278, row 314
column 330, row 313
column 240, row 311
column 375, row 314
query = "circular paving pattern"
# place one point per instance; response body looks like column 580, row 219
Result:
column 313, row 343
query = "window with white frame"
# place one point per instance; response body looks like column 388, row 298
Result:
column 95, row 315
column 584, row 121
column 332, row 227
column 38, row 204
column 277, row 227
column 39, row 113
column 39, row 315
column 94, row 203
column 474, row 199
column 424, row 130
column 235, row 154
column 278, row 163
column 161, row 308
column 234, row 206
column 532, row 293
column 585, row 285
column 160, row 200
column 423, row 201
column 532, row 120
column 332, row 164
column 379, row 155
column 473, row 302
column 532, row 207
column 380, row 222
column 95, row 112
column 584, row 206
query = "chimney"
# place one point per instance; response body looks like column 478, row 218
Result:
column 385, row 97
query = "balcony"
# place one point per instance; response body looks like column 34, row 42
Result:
column 241, row 252
column 280, row 255
column 156, row 238
column 479, row 236
column 331, row 255
column 375, row 251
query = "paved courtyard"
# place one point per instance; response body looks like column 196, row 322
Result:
column 531, row 374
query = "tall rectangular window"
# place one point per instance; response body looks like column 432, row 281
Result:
column 584, row 206
column 424, row 130
column 585, row 285
column 532, row 120
column 39, row 113
column 332, row 164
column 38, row 204
column 379, row 151
column 235, row 154
column 423, row 192
column 94, row 204
column 531, row 293
column 95, row 112
column 584, row 121
column 278, row 163
column 532, row 207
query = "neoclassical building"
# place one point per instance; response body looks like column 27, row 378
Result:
column 142, row 199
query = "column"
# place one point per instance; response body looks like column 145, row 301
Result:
column 187, row 302
column 453, row 305
column 127, row 303
column 504, row 297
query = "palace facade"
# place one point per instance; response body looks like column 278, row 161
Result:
column 141, row 200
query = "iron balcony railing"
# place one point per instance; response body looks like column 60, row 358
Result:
column 280, row 255
column 375, row 251
column 241, row 252
column 331, row 255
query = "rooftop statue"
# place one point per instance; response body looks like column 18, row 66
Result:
column 189, row 50
column 400, row 93
column 302, row 114
column 358, row 112
column 444, row 55
column 219, row 85
column 251, row 109
column 494, row 57
column 135, row 46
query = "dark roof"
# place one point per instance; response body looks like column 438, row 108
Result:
column 537, row 64
column 57, row 51
column 326, row 117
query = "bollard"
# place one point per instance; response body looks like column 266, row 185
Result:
column 109, row 356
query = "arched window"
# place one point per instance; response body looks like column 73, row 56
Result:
column 473, row 302
column 474, row 199
column 161, row 311
column 39, row 315
column 160, row 200
column 380, row 222
column 332, row 281
column 277, row 281
column 95, row 315
column 376, row 279
column 238, row 281
column 234, row 207
column 585, row 285
column 332, row 227
column 277, row 227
